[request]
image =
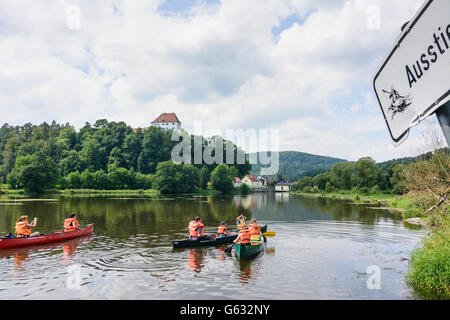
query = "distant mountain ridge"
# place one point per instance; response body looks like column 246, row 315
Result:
column 294, row 165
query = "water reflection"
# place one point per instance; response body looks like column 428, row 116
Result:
column 68, row 248
column 196, row 260
column 19, row 257
column 249, row 269
column 221, row 253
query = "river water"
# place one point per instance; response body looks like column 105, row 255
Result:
column 323, row 249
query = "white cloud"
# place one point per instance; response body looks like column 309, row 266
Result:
column 220, row 64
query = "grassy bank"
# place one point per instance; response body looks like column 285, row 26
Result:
column 107, row 192
column 379, row 199
column 21, row 192
column 429, row 270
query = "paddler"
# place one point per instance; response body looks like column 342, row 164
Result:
column 71, row 224
column 196, row 229
column 240, row 221
column 255, row 231
column 244, row 236
column 222, row 230
column 23, row 228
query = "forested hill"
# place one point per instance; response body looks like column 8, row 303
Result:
column 105, row 155
column 295, row 165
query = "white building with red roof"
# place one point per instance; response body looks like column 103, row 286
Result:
column 252, row 181
column 167, row 121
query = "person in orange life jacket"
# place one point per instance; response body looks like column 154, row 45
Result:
column 71, row 224
column 244, row 236
column 255, row 231
column 196, row 229
column 222, row 231
column 23, row 228
column 240, row 221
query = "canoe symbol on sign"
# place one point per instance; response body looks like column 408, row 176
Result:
column 398, row 103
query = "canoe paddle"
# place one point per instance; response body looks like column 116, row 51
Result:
column 269, row 234
column 228, row 250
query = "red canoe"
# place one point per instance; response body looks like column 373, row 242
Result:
column 46, row 238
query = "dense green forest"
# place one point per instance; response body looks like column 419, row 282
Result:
column 295, row 165
column 363, row 176
column 105, row 155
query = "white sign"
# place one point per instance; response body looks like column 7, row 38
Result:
column 414, row 80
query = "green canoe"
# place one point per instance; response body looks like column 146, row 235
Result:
column 246, row 251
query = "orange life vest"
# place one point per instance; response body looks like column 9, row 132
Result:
column 244, row 237
column 222, row 230
column 21, row 230
column 193, row 225
column 68, row 224
column 255, row 229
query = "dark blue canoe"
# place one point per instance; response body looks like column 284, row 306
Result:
column 208, row 241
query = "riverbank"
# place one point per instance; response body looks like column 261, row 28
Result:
column 429, row 269
column 406, row 205
column 21, row 192
column 149, row 192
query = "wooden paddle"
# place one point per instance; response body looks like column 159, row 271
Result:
column 269, row 234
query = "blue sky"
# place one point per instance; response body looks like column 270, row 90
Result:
column 182, row 7
column 303, row 67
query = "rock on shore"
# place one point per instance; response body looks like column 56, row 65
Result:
column 417, row 221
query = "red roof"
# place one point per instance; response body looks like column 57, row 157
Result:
column 166, row 117
column 252, row 178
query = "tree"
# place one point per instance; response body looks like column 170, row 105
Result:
column 73, row 180
column 368, row 173
column 91, row 154
column 430, row 176
column 100, row 180
column 396, row 180
column 87, row 180
column 320, row 181
column 221, row 179
column 70, row 162
column 165, row 179
column 328, row 187
column 121, row 178
column 340, row 175
column 188, row 178
column 205, row 177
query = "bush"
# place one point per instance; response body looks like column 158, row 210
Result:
column 36, row 172
column 315, row 189
column 244, row 189
column 329, row 188
column 364, row 190
column 430, row 265
column 221, row 179
column 375, row 189
column 413, row 212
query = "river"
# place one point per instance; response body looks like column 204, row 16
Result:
column 323, row 249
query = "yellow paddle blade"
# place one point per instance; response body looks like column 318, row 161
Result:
column 269, row 234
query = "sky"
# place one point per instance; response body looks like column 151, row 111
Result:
column 303, row 67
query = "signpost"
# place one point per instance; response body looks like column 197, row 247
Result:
column 414, row 80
